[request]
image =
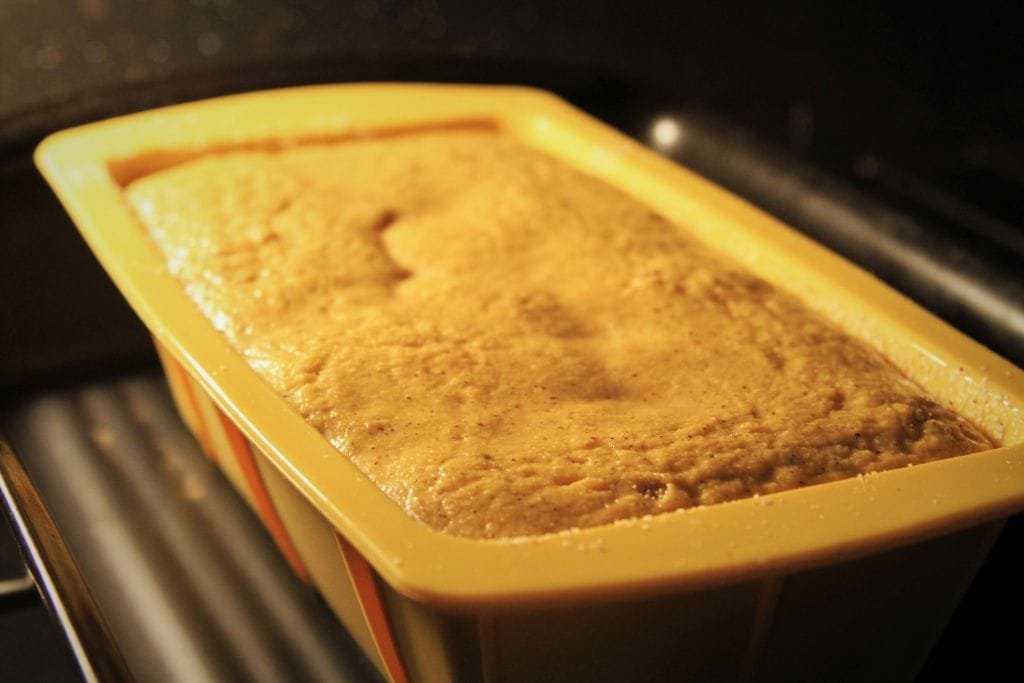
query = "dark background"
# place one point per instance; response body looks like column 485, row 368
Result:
column 928, row 93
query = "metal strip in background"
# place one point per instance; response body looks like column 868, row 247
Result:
column 57, row 575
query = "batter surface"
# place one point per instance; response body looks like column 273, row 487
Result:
column 508, row 347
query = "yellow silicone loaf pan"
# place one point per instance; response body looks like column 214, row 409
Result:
column 853, row 579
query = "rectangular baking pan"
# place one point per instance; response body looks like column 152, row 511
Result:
column 854, row 578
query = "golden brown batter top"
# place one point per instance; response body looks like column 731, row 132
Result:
column 509, row 347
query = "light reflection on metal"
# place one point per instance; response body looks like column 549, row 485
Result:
column 667, row 134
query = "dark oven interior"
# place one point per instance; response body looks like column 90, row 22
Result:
column 892, row 135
